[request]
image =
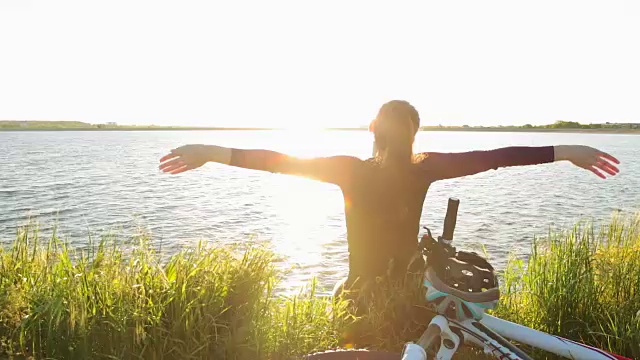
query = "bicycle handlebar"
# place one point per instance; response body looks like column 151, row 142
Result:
column 450, row 219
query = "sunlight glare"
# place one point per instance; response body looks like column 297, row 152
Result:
column 304, row 207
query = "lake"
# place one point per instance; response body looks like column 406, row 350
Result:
column 94, row 182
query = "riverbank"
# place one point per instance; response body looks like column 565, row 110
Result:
column 457, row 129
column 516, row 129
column 80, row 126
column 136, row 128
column 115, row 299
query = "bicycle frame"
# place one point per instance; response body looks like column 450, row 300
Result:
column 491, row 333
column 538, row 339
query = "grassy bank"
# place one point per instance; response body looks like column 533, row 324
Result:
column 218, row 303
column 582, row 284
column 431, row 128
column 558, row 127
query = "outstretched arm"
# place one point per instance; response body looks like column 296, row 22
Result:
column 336, row 169
column 452, row 165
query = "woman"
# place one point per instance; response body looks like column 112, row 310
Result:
column 384, row 195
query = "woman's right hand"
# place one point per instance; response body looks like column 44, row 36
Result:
column 189, row 157
column 588, row 158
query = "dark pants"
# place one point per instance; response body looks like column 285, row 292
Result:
column 355, row 282
column 390, row 308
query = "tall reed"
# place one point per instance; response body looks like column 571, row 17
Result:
column 205, row 303
column 117, row 300
column 582, row 284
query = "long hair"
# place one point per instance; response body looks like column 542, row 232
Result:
column 394, row 131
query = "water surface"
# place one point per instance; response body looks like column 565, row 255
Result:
column 91, row 182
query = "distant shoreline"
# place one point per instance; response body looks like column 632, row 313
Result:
column 530, row 130
column 462, row 129
column 139, row 128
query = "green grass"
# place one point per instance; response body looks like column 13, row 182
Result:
column 213, row 303
column 116, row 300
column 582, row 284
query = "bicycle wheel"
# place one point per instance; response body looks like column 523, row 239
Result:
column 359, row 354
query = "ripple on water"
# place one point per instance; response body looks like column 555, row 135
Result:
column 113, row 185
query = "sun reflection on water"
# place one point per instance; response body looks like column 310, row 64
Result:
column 303, row 209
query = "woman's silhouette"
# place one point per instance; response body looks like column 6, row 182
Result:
column 384, row 195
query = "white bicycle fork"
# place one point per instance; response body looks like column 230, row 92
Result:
column 438, row 328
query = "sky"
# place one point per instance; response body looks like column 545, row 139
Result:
column 327, row 63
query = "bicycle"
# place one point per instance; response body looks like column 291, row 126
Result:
column 461, row 286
